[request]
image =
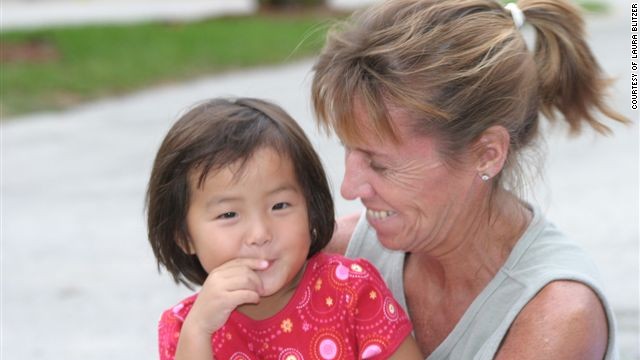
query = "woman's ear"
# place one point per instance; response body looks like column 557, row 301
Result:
column 491, row 151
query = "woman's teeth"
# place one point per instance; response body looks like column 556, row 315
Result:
column 379, row 214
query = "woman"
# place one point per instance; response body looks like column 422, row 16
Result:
column 437, row 103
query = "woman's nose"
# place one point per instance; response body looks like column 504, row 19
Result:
column 355, row 184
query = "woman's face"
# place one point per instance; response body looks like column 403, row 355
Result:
column 414, row 201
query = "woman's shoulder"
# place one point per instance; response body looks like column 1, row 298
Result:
column 566, row 319
column 345, row 226
column 545, row 253
column 563, row 289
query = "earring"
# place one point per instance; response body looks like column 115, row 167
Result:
column 485, row 177
column 314, row 234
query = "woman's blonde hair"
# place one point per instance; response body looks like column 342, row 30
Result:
column 459, row 67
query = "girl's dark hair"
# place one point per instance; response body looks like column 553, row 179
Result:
column 213, row 135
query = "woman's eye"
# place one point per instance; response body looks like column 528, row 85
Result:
column 280, row 206
column 227, row 215
column 377, row 167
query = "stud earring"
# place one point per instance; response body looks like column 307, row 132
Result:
column 485, row 177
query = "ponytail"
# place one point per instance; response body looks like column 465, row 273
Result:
column 569, row 78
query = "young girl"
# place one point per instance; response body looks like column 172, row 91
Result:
column 238, row 203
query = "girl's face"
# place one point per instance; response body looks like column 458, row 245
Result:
column 260, row 214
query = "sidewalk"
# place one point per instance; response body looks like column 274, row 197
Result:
column 79, row 280
column 29, row 14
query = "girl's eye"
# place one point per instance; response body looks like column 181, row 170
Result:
column 280, row 206
column 227, row 215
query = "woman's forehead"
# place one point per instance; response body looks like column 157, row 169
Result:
column 363, row 129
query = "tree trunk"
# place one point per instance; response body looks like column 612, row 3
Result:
column 289, row 4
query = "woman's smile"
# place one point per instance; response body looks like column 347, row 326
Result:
column 373, row 215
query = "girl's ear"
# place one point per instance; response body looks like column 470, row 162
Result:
column 491, row 151
column 184, row 243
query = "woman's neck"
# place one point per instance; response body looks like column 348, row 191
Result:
column 478, row 250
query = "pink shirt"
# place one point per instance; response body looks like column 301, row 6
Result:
column 340, row 310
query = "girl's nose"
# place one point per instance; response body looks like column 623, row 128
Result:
column 355, row 184
column 260, row 233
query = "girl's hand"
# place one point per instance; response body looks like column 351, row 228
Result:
column 231, row 284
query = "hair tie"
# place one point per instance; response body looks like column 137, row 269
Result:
column 516, row 14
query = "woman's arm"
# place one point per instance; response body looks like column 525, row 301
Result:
column 566, row 320
column 342, row 234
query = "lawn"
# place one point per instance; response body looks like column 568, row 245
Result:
column 55, row 68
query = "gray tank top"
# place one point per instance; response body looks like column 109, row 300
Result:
column 543, row 254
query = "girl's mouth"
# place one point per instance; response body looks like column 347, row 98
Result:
column 270, row 264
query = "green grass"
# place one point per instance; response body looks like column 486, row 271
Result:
column 87, row 63
column 589, row 6
column 594, row 6
column 96, row 61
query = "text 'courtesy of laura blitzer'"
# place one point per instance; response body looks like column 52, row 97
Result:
column 634, row 56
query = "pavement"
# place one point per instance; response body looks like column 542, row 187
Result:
column 32, row 14
column 79, row 280
column 35, row 14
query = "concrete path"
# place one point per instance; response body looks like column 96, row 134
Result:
column 30, row 14
column 35, row 14
column 79, row 280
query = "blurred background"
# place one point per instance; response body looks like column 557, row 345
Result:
column 90, row 87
